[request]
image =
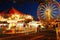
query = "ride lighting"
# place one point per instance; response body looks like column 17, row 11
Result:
column 12, row 21
column 29, row 17
column 3, row 24
column 19, row 24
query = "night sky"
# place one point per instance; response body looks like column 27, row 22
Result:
column 25, row 6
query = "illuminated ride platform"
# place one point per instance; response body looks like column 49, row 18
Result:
column 19, row 27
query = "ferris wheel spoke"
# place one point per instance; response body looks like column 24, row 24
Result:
column 46, row 5
column 53, row 15
column 42, row 15
column 51, row 5
column 55, row 8
column 43, row 6
column 42, row 11
column 55, row 12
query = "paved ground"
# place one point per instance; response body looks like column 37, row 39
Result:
column 45, row 35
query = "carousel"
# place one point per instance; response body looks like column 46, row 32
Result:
column 18, row 22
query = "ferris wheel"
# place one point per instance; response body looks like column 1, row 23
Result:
column 47, row 11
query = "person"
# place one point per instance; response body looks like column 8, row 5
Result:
column 38, row 28
column 1, row 30
column 57, row 25
column 54, row 26
column 46, row 26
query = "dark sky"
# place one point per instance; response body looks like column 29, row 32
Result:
column 25, row 6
